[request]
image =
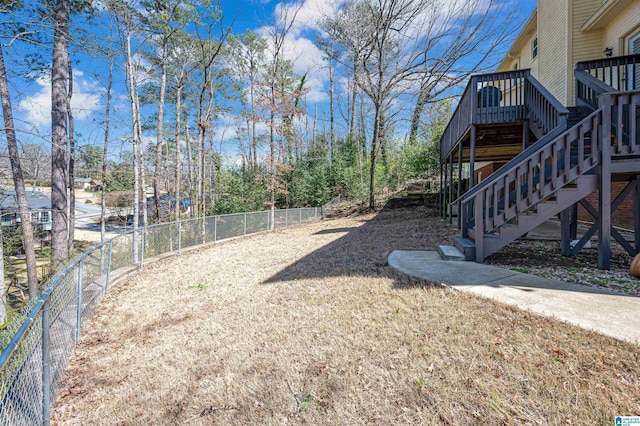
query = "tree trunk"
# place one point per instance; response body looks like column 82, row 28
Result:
column 254, row 141
column 415, row 118
column 72, row 162
column 159, row 135
column 3, row 288
column 135, row 125
column 59, row 135
column 103, row 176
column 187, row 141
column 374, row 154
column 176, row 189
column 18, row 180
column 354, row 101
column 331, row 109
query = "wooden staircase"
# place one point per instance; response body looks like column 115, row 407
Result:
column 550, row 176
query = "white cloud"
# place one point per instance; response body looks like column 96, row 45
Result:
column 85, row 101
column 309, row 12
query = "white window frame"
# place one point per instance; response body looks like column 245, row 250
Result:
column 633, row 74
column 630, row 40
column 534, row 48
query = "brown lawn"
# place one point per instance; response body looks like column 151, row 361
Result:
column 309, row 326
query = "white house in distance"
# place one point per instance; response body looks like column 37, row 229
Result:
column 39, row 206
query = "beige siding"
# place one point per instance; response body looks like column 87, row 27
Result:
column 552, row 46
column 624, row 25
column 523, row 58
column 584, row 45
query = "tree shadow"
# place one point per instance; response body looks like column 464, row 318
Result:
column 364, row 249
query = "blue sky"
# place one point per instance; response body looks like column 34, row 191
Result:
column 32, row 99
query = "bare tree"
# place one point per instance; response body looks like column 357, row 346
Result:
column 35, row 162
column 59, row 134
column 399, row 47
column 18, row 180
column 277, row 36
column 72, row 162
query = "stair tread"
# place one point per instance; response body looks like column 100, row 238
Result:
column 450, row 253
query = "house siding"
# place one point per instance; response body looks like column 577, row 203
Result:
column 552, row 46
column 622, row 26
column 585, row 45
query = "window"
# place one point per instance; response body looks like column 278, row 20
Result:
column 633, row 70
column 534, row 48
column 515, row 65
column 634, row 44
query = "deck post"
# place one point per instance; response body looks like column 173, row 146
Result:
column 604, row 187
column 636, row 214
column 565, row 232
column 478, row 205
column 441, row 191
column 525, row 134
column 472, row 156
column 459, row 203
column 574, row 222
column 450, row 200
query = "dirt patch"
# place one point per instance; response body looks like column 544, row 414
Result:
column 543, row 258
column 309, row 326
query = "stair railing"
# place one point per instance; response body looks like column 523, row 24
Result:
column 543, row 108
column 596, row 77
column 551, row 117
column 539, row 172
column 533, row 176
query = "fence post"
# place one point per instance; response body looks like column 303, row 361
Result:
column 215, row 229
column 286, row 217
column 179, row 236
column 300, row 211
column 245, row 224
column 106, row 286
column 46, row 357
column 79, row 308
column 142, row 243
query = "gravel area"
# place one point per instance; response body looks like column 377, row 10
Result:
column 543, row 258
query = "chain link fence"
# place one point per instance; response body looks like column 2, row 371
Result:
column 38, row 344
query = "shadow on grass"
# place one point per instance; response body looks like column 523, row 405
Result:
column 363, row 250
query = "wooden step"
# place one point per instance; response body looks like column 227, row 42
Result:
column 450, row 253
column 466, row 246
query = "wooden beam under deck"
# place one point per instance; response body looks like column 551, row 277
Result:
column 494, row 142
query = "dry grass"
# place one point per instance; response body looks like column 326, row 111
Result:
column 309, row 326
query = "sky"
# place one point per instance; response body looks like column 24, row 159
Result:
column 31, row 99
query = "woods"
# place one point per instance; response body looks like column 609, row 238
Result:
column 196, row 113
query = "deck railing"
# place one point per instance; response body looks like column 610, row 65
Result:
column 548, row 165
column 488, row 98
column 593, row 78
column 545, row 111
column 503, row 97
column 37, row 346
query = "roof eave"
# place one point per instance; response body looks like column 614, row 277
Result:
column 529, row 28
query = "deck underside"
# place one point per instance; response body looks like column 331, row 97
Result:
column 494, row 142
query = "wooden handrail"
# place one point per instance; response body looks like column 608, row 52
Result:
column 554, row 161
column 476, row 108
column 562, row 110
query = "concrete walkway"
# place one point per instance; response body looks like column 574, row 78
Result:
column 614, row 314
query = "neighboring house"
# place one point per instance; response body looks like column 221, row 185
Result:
column 558, row 119
column 82, row 183
column 39, row 206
